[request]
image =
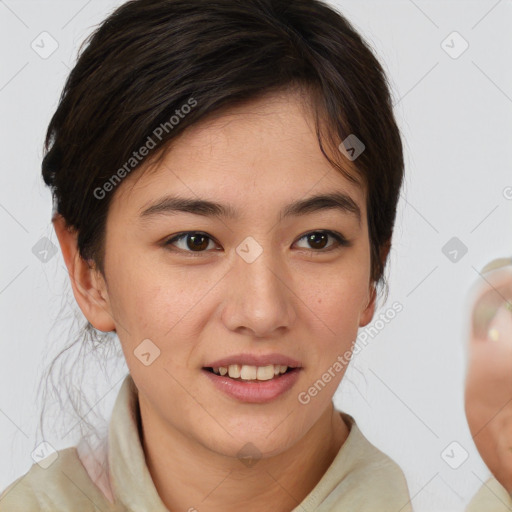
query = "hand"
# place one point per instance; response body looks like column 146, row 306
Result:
column 488, row 391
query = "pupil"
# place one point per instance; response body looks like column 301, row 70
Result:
column 314, row 236
column 317, row 240
column 194, row 245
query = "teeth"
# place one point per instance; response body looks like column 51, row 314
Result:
column 234, row 371
column 247, row 372
column 265, row 372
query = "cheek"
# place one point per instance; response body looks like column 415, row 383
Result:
column 159, row 302
column 336, row 297
column 338, row 290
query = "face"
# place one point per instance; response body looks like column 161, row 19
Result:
column 255, row 278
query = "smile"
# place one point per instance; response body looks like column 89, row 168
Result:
column 248, row 372
column 245, row 388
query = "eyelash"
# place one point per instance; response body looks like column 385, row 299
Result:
column 341, row 241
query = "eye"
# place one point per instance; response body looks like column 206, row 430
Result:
column 194, row 241
column 318, row 239
column 198, row 242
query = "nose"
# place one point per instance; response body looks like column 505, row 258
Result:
column 261, row 301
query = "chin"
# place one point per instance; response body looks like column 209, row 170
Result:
column 247, row 444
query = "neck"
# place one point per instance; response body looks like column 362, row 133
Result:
column 188, row 476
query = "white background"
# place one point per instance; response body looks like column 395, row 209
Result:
column 406, row 387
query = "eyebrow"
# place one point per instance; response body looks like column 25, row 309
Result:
column 170, row 205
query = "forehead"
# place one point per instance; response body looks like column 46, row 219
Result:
column 267, row 146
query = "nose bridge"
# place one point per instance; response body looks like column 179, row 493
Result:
column 260, row 297
column 261, row 275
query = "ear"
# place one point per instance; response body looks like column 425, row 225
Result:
column 369, row 310
column 89, row 286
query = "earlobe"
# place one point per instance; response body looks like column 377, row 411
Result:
column 89, row 287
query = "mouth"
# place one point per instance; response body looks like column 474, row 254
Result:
column 249, row 373
column 253, row 384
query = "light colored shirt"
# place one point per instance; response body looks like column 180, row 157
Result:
column 360, row 478
column 491, row 497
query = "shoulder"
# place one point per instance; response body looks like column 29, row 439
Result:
column 18, row 497
column 61, row 485
column 491, row 497
column 368, row 477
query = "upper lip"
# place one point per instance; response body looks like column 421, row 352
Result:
column 255, row 360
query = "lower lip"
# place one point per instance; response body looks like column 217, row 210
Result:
column 255, row 392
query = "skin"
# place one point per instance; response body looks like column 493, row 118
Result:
column 488, row 393
column 292, row 300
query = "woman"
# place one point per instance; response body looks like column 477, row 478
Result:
column 225, row 177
